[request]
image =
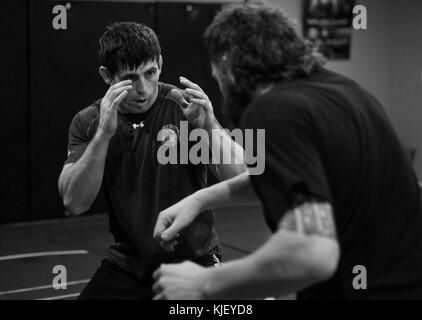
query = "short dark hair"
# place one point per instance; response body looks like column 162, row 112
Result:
column 128, row 45
column 262, row 44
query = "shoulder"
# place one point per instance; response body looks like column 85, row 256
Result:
column 90, row 112
column 86, row 118
column 302, row 95
column 281, row 103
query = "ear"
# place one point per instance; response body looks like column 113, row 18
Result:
column 226, row 68
column 160, row 62
column 231, row 76
column 106, row 75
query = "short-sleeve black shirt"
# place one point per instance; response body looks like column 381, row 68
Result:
column 137, row 187
column 329, row 139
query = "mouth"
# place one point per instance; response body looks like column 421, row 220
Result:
column 141, row 101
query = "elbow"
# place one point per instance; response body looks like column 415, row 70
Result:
column 305, row 262
column 241, row 169
column 230, row 171
column 323, row 259
column 73, row 209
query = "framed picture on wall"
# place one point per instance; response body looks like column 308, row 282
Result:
column 328, row 24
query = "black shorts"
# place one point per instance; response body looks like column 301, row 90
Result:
column 110, row 282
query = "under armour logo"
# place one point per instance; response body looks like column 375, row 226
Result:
column 136, row 126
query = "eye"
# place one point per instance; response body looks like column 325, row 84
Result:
column 129, row 77
column 151, row 73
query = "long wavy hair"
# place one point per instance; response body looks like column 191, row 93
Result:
column 262, row 46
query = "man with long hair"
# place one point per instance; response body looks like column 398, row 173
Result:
column 338, row 190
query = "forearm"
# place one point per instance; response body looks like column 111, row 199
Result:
column 234, row 192
column 83, row 180
column 227, row 154
column 282, row 266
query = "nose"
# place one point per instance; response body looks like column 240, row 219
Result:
column 140, row 87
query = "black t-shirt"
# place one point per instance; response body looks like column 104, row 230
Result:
column 329, row 139
column 137, row 187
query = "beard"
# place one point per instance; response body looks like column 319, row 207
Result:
column 236, row 98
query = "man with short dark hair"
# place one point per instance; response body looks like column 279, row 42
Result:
column 115, row 142
column 338, row 190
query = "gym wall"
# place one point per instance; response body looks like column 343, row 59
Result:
column 14, row 128
column 386, row 60
column 54, row 74
column 49, row 75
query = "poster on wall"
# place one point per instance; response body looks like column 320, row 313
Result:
column 328, row 24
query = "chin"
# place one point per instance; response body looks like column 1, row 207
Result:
column 137, row 108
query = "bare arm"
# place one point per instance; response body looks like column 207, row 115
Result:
column 228, row 156
column 304, row 251
column 233, row 192
column 80, row 182
column 237, row 191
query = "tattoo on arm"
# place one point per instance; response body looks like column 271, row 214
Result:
column 311, row 219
